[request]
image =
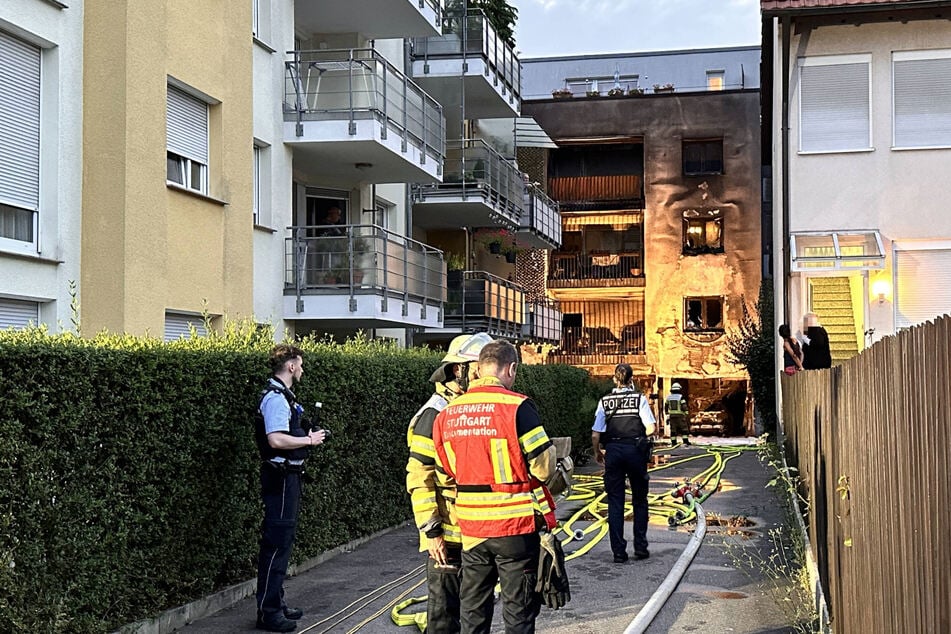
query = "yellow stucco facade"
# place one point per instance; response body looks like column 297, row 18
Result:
column 149, row 247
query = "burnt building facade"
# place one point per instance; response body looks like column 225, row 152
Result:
column 659, row 192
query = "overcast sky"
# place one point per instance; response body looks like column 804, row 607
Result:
column 574, row 27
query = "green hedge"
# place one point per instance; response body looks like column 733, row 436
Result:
column 129, row 476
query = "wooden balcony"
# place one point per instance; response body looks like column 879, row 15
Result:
column 598, row 270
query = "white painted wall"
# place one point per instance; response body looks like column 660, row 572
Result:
column 44, row 276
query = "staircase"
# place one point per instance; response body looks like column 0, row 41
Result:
column 832, row 302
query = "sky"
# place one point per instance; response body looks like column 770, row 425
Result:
column 575, row 27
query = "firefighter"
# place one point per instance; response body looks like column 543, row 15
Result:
column 623, row 423
column 433, row 505
column 675, row 406
column 492, row 443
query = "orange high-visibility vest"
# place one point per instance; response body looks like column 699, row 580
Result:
column 477, row 443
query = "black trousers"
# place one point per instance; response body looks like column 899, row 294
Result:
column 511, row 561
column 442, row 605
column 280, row 491
column 624, row 462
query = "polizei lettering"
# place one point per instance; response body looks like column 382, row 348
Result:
column 462, row 420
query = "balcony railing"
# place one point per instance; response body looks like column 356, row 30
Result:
column 543, row 321
column 362, row 259
column 540, row 216
column 572, row 270
column 476, row 300
column 472, row 35
column 354, row 84
column 473, row 168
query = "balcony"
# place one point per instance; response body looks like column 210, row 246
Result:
column 540, row 224
column 469, row 59
column 362, row 276
column 543, row 321
column 595, row 269
column 480, row 301
column 480, row 188
column 356, row 116
column 601, row 333
column 376, row 19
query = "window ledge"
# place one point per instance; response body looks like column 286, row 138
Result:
column 907, row 148
column 689, row 253
column 193, row 193
column 814, row 152
column 264, row 229
column 57, row 4
column 263, row 45
column 34, row 257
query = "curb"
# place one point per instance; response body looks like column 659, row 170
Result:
column 177, row 618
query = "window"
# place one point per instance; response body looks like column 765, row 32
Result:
column 703, row 313
column 834, row 104
column 19, row 142
column 703, row 232
column 715, row 79
column 186, row 125
column 922, row 99
column 256, row 18
column 703, row 157
column 180, row 325
column 18, row 314
column 378, row 215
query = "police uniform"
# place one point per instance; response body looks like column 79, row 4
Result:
column 280, row 491
column 435, row 515
column 624, row 421
column 500, row 499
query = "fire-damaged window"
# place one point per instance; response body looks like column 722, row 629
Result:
column 703, row 157
column 703, row 314
column 703, row 232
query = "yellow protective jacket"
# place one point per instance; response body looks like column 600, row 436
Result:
column 433, row 500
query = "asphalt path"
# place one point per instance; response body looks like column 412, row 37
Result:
column 352, row 592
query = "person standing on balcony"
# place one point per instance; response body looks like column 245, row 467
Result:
column 491, row 442
column 283, row 445
column 433, row 502
column 623, row 423
column 678, row 414
column 333, row 228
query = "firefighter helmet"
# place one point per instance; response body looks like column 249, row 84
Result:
column 462, row 349
column 675, row 387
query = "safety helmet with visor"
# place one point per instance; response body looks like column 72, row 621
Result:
column 463, row 350
column 675, row 387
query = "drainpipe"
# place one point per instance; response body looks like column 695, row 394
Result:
column 786, row 23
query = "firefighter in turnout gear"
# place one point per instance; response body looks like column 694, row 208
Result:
column 675, row 406
column 623, row 423
column 434, row 503
column 492, row 443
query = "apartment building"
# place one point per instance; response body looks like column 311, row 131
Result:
column 857, row 110
column 657, row 176
column 41, row 154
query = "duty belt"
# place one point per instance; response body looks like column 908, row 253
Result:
column 285, row 467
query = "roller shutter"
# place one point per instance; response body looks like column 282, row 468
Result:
column 923, row 286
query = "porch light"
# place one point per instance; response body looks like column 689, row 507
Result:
column 881, row 287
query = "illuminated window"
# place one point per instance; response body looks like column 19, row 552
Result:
column 703, row 314
column 715, row 79
column 703, row 232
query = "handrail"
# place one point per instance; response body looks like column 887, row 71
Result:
column 359, row 82
column 595, row 266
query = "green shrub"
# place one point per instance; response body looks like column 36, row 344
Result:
column 752, row 346
column 129, row 475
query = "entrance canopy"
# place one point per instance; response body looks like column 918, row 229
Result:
column 836, row 250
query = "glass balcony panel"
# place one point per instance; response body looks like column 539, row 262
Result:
column 477, row 300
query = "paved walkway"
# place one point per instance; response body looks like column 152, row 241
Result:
column 716, row 595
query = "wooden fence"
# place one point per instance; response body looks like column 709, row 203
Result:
column 872, row 441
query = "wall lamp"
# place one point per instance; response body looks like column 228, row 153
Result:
column 881, row 288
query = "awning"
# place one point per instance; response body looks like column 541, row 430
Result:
column 836, row 250
column 529, row 134
column 620, row 220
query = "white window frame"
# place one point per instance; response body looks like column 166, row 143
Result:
column 907, row 56
column 837, row 60
column 256, row 178
column 182, row 161
column 26, row 196
column 716, row 74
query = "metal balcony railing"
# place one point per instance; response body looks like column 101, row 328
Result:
column 541, row 214
column 476, row 300
column 362, row 259
column 472, row 35
column 473, row 167
column 355, row 84
column 569, row 268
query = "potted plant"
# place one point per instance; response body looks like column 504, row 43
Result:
column 593, row 93
column 635, row 91
column 495, row 241
column 562, row 93
column 616, row 92
column 658, row 88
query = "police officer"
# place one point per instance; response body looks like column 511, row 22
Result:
column 434, row 505
column 283, row 445
column 675, row 406
column 492, row 443
column 623, row 423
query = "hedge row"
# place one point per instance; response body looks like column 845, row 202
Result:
column 129, row 476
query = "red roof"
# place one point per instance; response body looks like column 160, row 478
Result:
column 792, row 5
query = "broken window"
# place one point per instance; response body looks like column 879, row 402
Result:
column 703, row 313
column 703, row 232
column 703, row 157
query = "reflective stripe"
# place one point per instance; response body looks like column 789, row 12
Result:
column 518, row 509
column 450, row 456
column 501, row 463
column 533, row 439
column 423, row 446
